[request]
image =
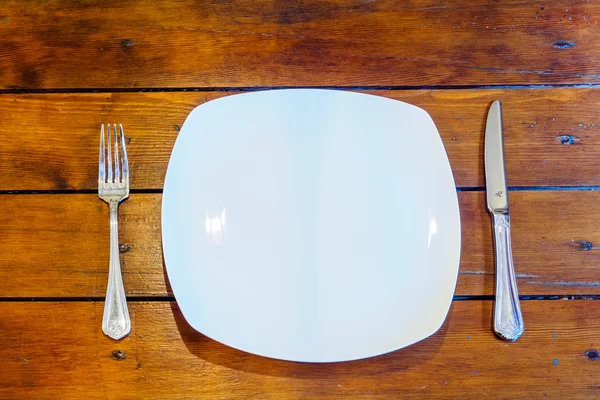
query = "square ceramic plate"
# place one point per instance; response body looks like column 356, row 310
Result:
column 311, row 225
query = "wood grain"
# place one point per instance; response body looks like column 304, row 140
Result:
column 57, row 245
column 50, row 142
column 51, row 348
column 554, row 240
column 244, row 43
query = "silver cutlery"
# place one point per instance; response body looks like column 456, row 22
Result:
column 508, row 321
column 113, row 188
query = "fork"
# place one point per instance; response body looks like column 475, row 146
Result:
column 113, row 189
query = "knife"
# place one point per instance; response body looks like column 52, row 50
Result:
column 508, row 321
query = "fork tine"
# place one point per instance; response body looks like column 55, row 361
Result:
column 117, row 166
column 110, row 170
column 101, row 164
column 124, row 158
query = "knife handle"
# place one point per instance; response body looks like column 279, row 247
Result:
column 508, row 321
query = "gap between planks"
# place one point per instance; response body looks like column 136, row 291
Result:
column 261, row 88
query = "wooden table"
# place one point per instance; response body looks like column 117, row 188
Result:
column 66, row 67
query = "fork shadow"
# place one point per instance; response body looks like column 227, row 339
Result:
column 217, row 353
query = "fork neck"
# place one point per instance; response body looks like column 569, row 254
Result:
column 113, row 205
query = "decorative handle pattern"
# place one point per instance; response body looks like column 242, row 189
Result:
column 115, row 322
column 508, row 321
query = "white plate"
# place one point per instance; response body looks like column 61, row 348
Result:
column 311, row 225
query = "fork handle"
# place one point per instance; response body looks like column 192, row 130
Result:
column 508, row 321
column 115, row 322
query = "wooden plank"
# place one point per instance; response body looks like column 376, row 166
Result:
column 51, row 348
column 50, row 142
column 186, row 43
column 57, row 245
column 554, row 240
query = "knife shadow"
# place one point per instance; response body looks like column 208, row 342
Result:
column 215, row 352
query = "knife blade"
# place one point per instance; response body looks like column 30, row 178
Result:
column 495, row 174
column 508, row 320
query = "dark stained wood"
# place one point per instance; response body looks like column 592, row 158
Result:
column 57, row 245
column 50, row 142
column 207, row 43
column 51, row 348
